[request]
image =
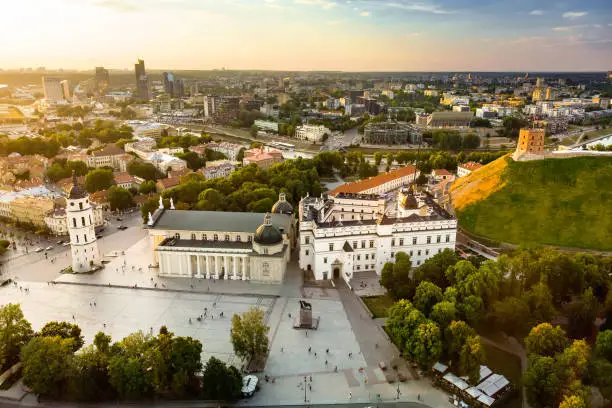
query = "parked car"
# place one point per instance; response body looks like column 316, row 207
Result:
column 39, row 249
column 119, row 219
column 249, row 385
column 122, row 227
column 60, row 242
column 50, row 247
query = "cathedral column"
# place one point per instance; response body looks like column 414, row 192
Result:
column 216, row 267
column 199, row 274
column 207, row 267
column 234, row 259
column 180, row 263
column 245, row 267
column 227, row 267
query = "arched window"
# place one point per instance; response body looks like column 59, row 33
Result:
column 216, row 237
column 203, row 237
column 193, row 236
column 74, row 222
column 83, row 220
column 80, row 206
column 238, row 239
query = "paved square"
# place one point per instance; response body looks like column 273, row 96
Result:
column 120, row 311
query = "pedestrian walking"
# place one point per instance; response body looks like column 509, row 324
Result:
column 350, row 395
column 326, row 351
column 325, row 363
column 309, row 349
column 419, row 397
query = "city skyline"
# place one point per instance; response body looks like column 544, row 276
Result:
column 304, row 35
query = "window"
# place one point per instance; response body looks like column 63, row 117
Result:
column 362, row 211
column 83, row 220
column 193, row 237
column 203, row 237
column 352, row 217
column 77, row 237
column 373, row 266
column 265, row 251
column 359, row 257
column 358, row 267
column 372, row 244
column 372, row 256
column 80, row 206
column 363, row 244
column 307, row 240
column 419, row 252
column 427, row 252
column 354, row 244
column 447, row 238
column 74, row 222
column 72, row 204
column 90, row 220
column 177, row 236
column 227, row 237
column 250, row 238
column 429, row 240
column 439, row 250
column 238, row 238
column 325, row 260
column 414, row 240
column 411, row 253
column 306, row 252
column 418, row 262
column 331, row 247
column 216, row 237
column 401, row 240
column 392, row 255
column 438, row 239
column 265, row 269
column 392, row 241
column 367, row 256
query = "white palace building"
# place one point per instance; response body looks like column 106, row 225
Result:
column 343, row 234
column 223, row 245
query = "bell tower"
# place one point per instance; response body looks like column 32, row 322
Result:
column 83, row 244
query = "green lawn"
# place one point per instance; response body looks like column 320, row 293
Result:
column 378, row 305
column 509, row 366
column 564, row 202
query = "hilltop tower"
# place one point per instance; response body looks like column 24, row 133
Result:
column 83, row 244
column 530, row 145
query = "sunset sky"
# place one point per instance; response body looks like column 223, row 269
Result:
column 348, row 35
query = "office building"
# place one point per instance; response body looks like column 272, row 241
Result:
column 311, row 133
column 391, row 133
column 101, row 79
column 53, row 89
column 168, row 83
column 65, row 89
column 143, row 85
column 450, row 119
column 266, row 125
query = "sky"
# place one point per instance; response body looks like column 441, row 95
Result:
column 342, row 35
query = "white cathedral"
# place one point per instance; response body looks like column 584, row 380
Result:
column 83, row 244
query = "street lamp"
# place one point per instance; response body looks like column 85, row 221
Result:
column 304, row 389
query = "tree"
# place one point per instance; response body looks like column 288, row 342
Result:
column 395, row 277
column 130, row 367
column 378, row 158
column 426, row 296
column 470, row 358
column 90, row 381
column 545, row 340
column 15, row 331
column 581, row 315
column 511, row 315
column 220, row 382
column 99, row 179
column 573, row 401
column 119, row 198
column 603, row 345
column 455, row 336
column 433, row 269
column 64, row 330
column 470, row 141
column 147, row 187
column 143, row 170
column 427, row 344
column 194, row 162
column 421, row 180
column 573, row 362
column 542, row 383
column 540, row 302
column 443, row 313
column 47, row 364
column 249, row 334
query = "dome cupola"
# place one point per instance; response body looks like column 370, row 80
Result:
column 268, row 234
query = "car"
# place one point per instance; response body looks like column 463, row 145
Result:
column 99, row 236
column 66, row 243
column 122, row 227
column 119, row 219
column 249, row 385
column 50, row 247
column 60, row 242
column 39, row 249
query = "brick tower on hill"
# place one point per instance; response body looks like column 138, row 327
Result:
column 530, row 145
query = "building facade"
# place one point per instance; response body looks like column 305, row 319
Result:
column 57, row 219
column 382, row 183
column 467, row 168
column 334, row 246
column 311, row 133
column 83, row 244
column 263, row 157
column 221, row 245
column 52, row 88
column 391, row 133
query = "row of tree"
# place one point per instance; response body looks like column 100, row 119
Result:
column 452, row 140
column 140, row 366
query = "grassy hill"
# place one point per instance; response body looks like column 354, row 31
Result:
column 565, row 202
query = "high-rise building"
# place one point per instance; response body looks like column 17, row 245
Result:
column 102, row 79
column 168, row 83
column 52, row 88
column 143, row 85
column 65, row 89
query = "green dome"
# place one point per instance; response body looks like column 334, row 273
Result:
column 268, row 234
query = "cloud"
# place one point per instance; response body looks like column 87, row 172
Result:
column 365, row 14
column 323, row 3
column 413, row 35
column 572, row 15
column 422, row 7
column 117, row 5
column 536, row 13
column 570, row 28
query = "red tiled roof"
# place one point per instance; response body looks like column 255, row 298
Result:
column 471, row 166
column 109, row 150
column 363, row 185
column 170, row 182
column 442, row 172
column 121, row 178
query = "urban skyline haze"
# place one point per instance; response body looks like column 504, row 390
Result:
column 343, row 35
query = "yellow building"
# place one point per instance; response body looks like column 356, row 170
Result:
column 31, row 210
column 538, row 94
column 530, row 144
